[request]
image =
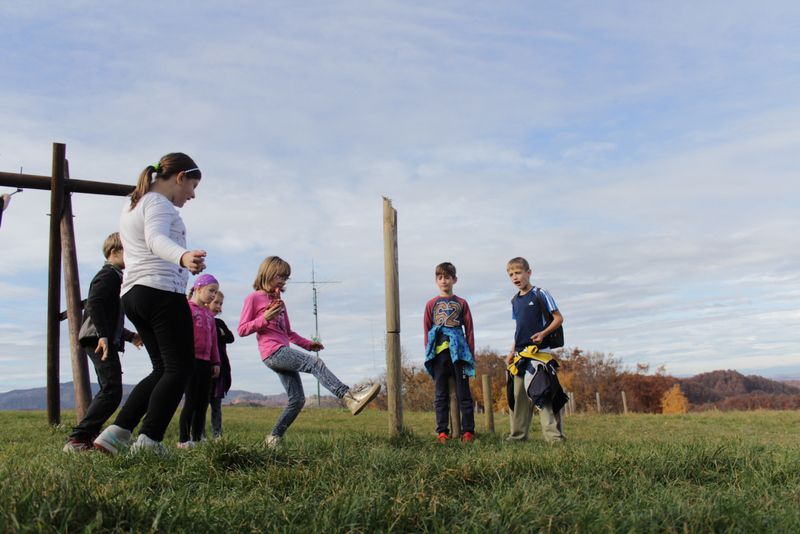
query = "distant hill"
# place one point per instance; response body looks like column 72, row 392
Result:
column 731, row 390
column 719, row 385
column 36, row 398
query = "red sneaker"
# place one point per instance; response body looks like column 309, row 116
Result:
column 468, row 437
column 76, row 445
column 443, row 437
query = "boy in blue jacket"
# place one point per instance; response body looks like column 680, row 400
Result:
column 449, row 349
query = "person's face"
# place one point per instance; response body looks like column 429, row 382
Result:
column 117, row 259
column 216, row 305
column 184, row 189
column 445, row 283
column 520, row 277
column 205, row 295
column 278, row 281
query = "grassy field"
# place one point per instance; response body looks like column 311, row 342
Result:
column 708, row 472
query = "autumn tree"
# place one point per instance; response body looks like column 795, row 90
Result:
column 674, row 401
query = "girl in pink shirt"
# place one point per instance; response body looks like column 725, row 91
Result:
column 206, row 361
column 264, row 314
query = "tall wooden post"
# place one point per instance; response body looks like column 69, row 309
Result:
column 624, row 403
column 597, row 399
column 72, row 283
column 488, row 402
column 54, row 284
column 455, row 412
column 392, row 285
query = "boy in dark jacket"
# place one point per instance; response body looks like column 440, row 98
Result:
column 103, row 337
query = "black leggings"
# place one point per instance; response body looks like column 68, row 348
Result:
column 164, row 322
column 195, row 404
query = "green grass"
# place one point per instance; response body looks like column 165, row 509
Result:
column 706, row 472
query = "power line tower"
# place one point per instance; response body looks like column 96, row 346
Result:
column 314, row 283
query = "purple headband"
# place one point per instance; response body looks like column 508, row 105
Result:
column 204, row 280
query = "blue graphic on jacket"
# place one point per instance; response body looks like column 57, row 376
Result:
column 459, row 350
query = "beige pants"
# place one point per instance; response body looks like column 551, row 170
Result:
column 523, row 413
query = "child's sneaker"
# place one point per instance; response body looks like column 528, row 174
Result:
column 468, row 437
column 358, row 401
column 273, row 441
column 113, row 440
column 76, row 445
column 442, row 437
column 186, row 444
column 145, row 443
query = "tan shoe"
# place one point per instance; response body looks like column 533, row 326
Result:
column 273, row 442
column 358, row 400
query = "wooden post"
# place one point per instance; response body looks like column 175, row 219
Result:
column 80, row 367
column 597, row 399
column 54, row 285
column 488, row 402
column 455, row 412
column 624, row 403
column 392, row 287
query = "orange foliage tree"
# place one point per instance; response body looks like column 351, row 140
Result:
column 674, row 401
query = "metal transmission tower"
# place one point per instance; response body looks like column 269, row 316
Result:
column 314, row 283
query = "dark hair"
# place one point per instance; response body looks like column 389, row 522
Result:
column 446, row 268
column 167, row 166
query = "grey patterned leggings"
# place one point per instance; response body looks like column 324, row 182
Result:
column 288, row 364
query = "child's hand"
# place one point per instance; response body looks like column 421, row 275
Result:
column 102, row 348
column 316, row 346
column 537, row 338
column 510, row 358
column 215, row 371
column 275, row 308
column 136, row 341
column 194, row 260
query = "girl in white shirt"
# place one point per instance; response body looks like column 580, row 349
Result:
column 153, row 297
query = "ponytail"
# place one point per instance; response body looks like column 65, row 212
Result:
column 143, row 185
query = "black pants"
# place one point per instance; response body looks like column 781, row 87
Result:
column 195, row 403
column 443, row 369
column 103, row 405
column 164, row 322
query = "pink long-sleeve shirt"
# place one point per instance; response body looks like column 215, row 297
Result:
column 205, row 334
column 273, row 334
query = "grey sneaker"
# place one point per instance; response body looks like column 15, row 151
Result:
column 144, row 443
column 113, row 440
column 358, row 400
column 273, row 441
column 76, row 445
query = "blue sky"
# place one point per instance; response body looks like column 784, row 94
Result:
column 643, row 157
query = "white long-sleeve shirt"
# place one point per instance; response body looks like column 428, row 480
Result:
column 154, row 238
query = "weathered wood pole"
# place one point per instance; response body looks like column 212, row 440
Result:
column 597, row 399
column 488, row 402
column 624, row 404
column 573, row 408
column 54, row 284
column 72, row 283
column 455, row 413
column 392, row 283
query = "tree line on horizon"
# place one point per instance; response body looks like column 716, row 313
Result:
column 585, row 373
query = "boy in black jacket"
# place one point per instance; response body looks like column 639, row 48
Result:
column 103, row 337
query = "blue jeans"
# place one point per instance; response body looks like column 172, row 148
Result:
column 288, row 364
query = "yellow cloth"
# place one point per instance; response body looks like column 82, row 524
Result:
column 442, row 346
column 531, row 352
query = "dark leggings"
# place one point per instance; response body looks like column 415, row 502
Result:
column 164, row 322
column 195, row 404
